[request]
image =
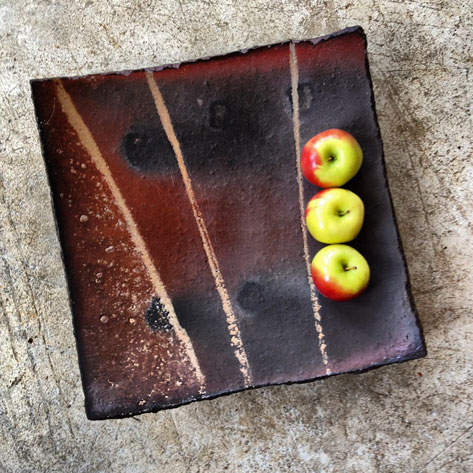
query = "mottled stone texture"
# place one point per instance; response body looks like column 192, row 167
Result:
column 412, row 417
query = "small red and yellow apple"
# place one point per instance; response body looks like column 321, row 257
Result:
column 340, row 272
column 334, row 215
column 331, row 158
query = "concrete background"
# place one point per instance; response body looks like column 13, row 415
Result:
column 416, row 417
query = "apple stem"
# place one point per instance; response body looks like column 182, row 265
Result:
column 330, row 158
column 349, row 268
column 342, row 213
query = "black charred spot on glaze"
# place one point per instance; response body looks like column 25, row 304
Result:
column 147, row 149
column 220, row 116
column 251, row 296
column 157, row 316
column 305, row 91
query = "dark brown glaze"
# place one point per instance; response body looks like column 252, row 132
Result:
column 151, row 184
column 380, row 325
column 233, row 118
column 236, row 135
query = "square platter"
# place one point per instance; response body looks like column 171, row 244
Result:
column 179, row 199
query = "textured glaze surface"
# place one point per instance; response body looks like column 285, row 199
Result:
column 232, row 202
column 410, row 417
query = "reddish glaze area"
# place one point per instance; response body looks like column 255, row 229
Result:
column 345, row 53
column 109, row 286
column 255, row 61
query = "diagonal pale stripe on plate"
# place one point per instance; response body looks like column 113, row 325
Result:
column 233, row 328
column 87, row 141
column 297, row 139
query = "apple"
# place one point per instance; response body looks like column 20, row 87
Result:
column 331, row 158
column 334, row 215
column 340, row 272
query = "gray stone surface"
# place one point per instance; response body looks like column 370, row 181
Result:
column 416, row 417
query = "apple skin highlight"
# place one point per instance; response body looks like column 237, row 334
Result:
column 331, row 158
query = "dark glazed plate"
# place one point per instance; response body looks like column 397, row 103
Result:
column 178, row 201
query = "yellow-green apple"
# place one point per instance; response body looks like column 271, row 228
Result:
column 331, row 158
column 340, row 272
column 334, row 215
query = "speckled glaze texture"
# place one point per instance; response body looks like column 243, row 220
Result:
column 221, row 240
